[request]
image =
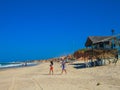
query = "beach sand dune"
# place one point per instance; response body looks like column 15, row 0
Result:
column 37, row 78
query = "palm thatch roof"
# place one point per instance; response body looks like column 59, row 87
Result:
column 97, row 39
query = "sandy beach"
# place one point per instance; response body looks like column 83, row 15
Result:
column 37, row 78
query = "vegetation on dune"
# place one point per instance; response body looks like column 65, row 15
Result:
column 97, row 53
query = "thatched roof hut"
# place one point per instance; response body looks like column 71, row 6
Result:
column 103, row 46
column 96, row 39
column 103, row 42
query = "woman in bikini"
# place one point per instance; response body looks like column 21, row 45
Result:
column 51, row 67
column 63, row 65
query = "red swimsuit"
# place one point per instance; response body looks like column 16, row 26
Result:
column 51, row 67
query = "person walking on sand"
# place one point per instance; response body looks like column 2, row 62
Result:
column 63, row 65
column 51, row 67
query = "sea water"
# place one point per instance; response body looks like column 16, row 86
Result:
column 15, row 64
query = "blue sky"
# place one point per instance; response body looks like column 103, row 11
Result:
column 35, row 29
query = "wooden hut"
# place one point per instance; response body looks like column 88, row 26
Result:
column 104, row 43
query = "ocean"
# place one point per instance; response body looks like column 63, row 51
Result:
column 4, row 65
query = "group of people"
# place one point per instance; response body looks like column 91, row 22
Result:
column 63, row 66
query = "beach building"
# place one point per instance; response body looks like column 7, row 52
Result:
column 105, row 44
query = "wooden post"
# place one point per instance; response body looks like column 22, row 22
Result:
column 118, row 49
column 93, row 56
column 85, row 61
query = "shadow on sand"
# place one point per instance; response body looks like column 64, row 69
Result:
column 86, row 65
column 51, row 74
column 79, row 65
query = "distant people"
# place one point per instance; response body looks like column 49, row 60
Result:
column 51, row 68
column 99, row 61
column 63, row 65
column 25, row 63
column 116, row 59
column 116, row 56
